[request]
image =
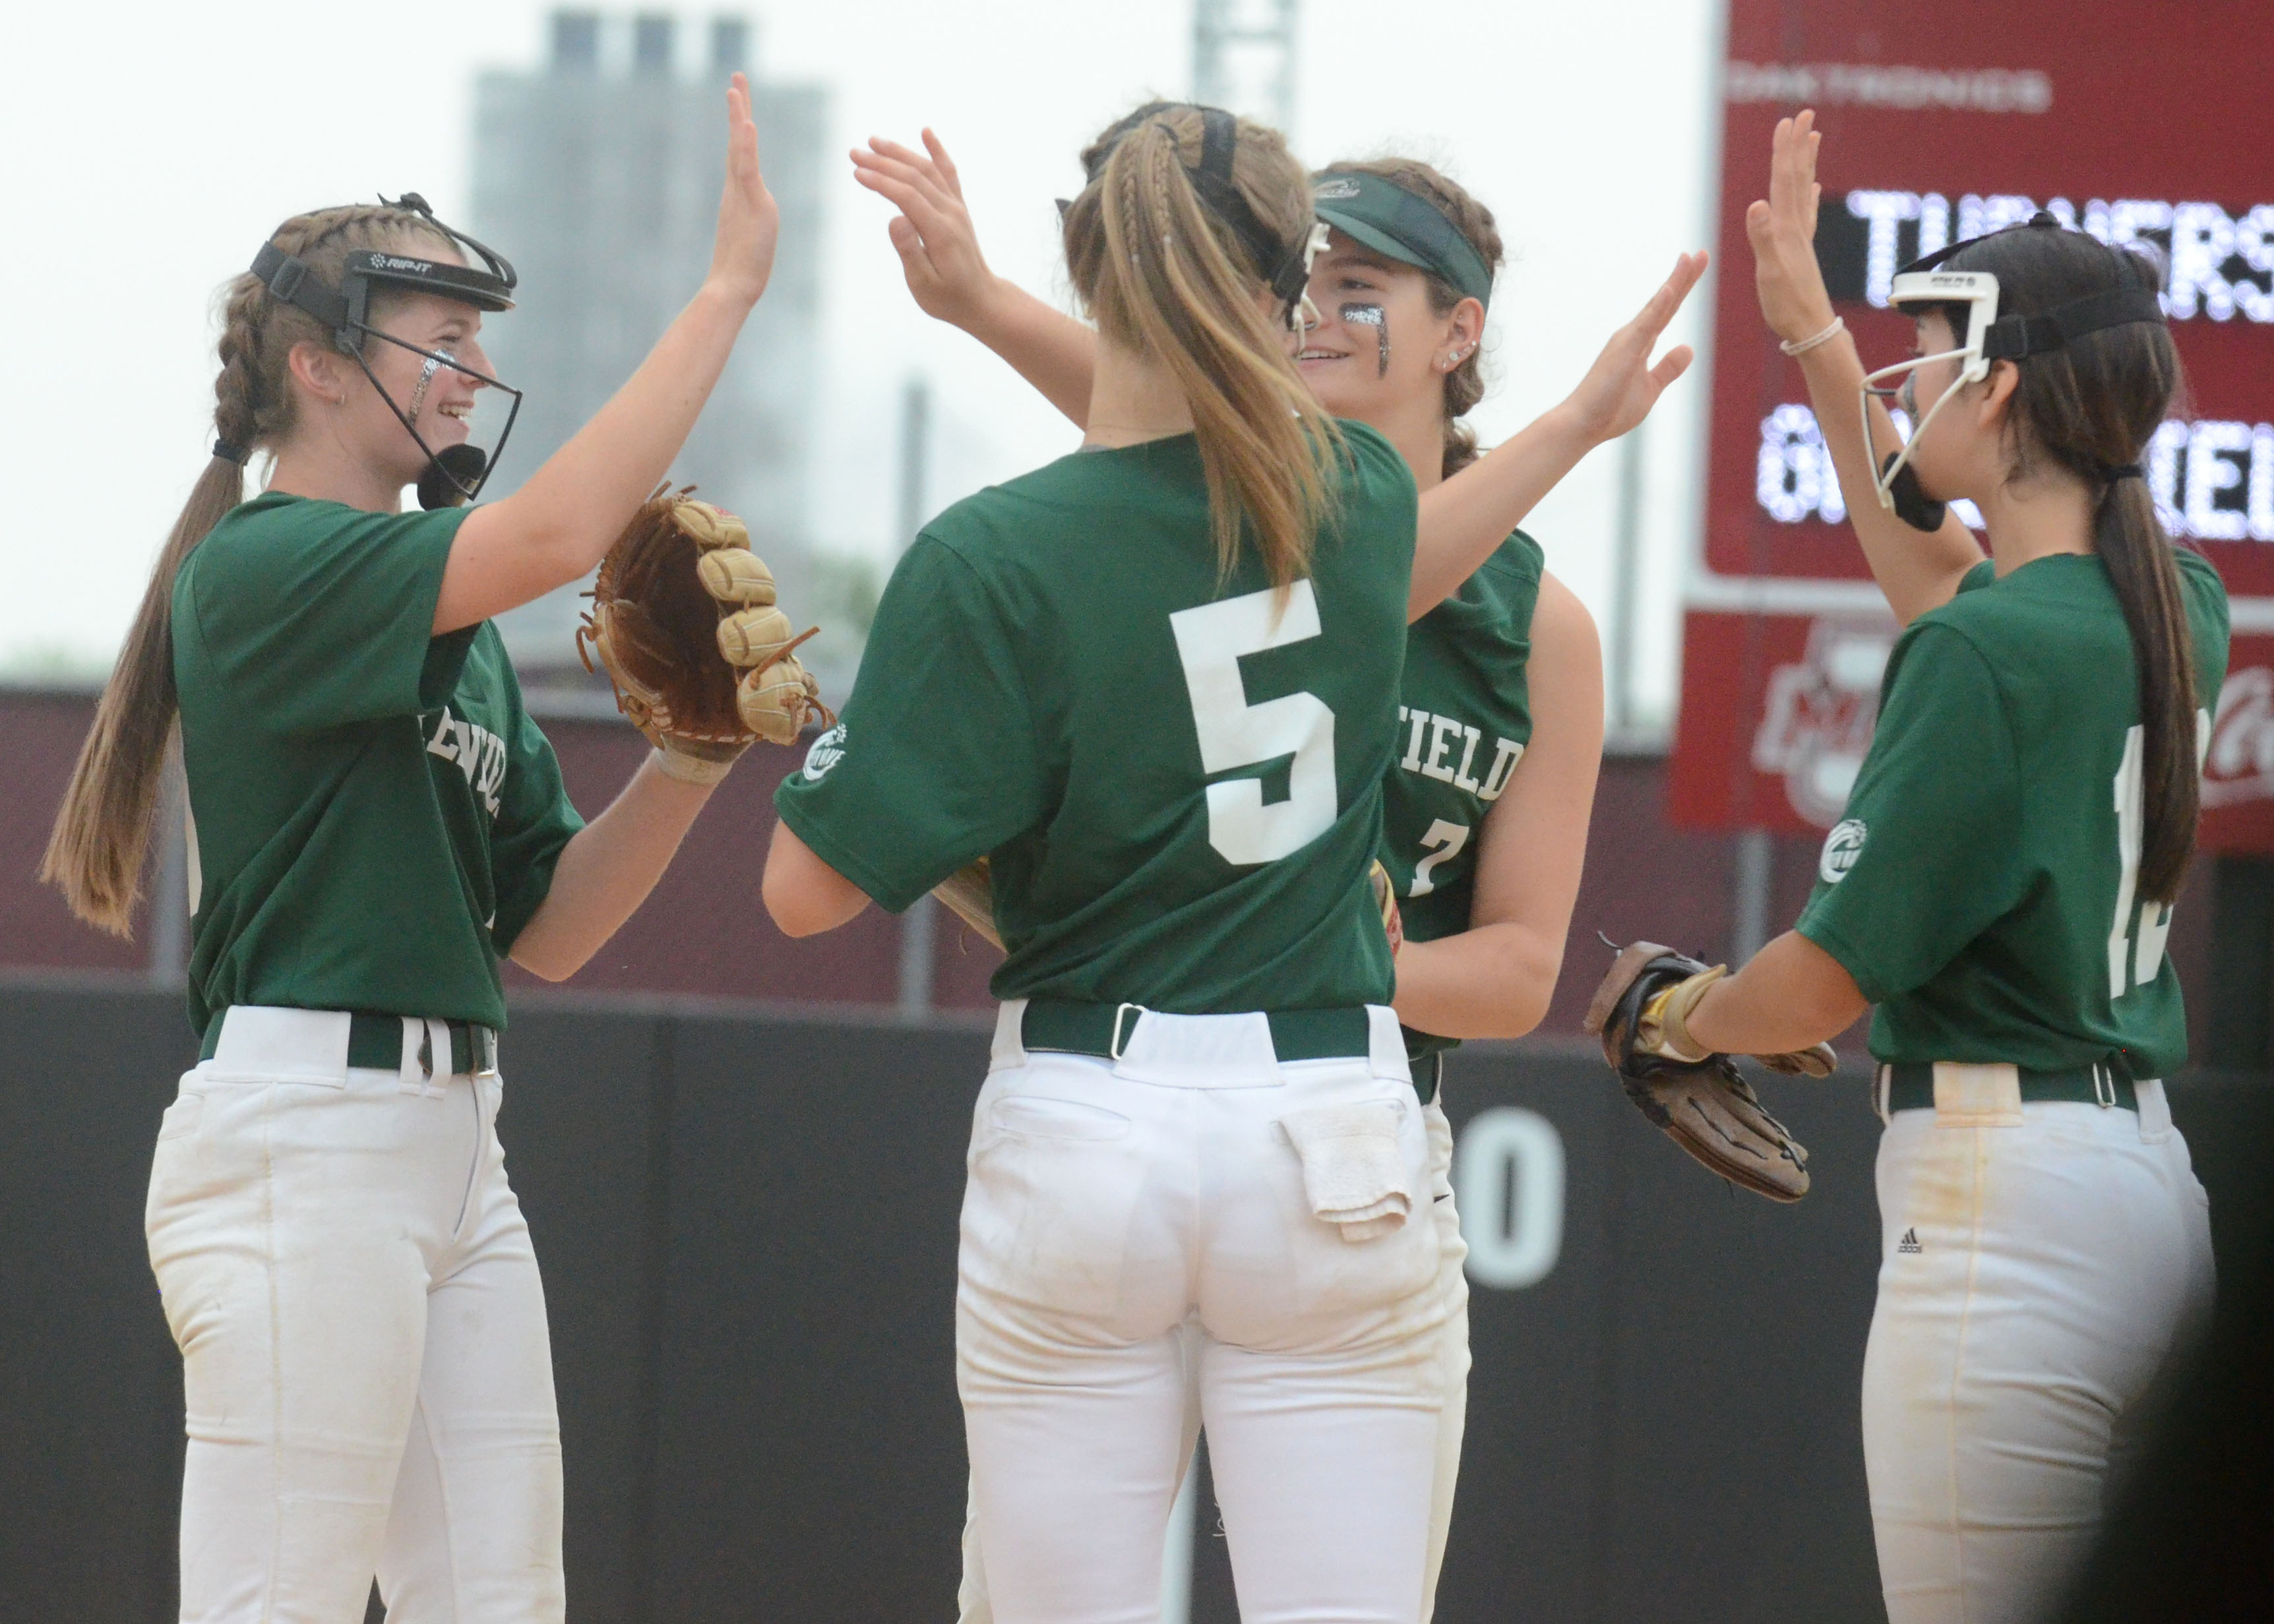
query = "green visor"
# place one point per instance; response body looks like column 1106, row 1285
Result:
column 1389, row 220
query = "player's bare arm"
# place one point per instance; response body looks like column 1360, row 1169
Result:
column 950, row 281
column 1495, row 978
column 805, row 895
column 606, row 870
column 557, row 526
column 1791, row 995
column 1918, row 570
column 1464, row 519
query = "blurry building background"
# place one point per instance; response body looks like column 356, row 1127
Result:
column 598, row 176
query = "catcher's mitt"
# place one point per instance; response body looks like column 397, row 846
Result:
column 684, row 623
column 1704, row 1105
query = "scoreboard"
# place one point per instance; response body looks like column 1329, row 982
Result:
column 1942, row 120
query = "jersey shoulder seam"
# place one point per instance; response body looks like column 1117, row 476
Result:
column 979, row 578
column 1932, row 620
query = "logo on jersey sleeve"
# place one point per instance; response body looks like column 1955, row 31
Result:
column 1842, row 847
column 827, row 751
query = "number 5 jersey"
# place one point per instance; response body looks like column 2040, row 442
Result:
column 1176, row 770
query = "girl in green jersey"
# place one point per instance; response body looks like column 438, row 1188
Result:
column 2001, row 888
column 1174, row 758
column 1484, row 810
column 376, row 823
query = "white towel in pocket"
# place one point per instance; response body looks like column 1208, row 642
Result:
column 1353, row 1169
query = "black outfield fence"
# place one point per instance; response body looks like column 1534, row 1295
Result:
column 747, row 1224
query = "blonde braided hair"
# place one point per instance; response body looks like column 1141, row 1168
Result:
column 1169, row 280
column 101, row 831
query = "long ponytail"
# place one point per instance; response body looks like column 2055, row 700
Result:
column 102, row 833
column 2131, row 542
column 2092, row 406
column 1166, row 278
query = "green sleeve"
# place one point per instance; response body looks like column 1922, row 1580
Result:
column 1931, row 850
column 935, row 761
column 535, row 820
column 328, row 619
column 2209, row 617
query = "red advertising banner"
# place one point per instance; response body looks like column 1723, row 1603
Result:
column 1944, row 119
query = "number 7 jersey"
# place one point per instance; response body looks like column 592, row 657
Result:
column 1176, row 771
column 1465, row 719
column 1983, row 885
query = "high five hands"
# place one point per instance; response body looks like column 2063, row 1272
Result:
column 750, row 221
column 1783, row 229
column 933, row 234
column 1622, row 386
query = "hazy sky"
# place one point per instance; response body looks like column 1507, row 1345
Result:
column 149, row 149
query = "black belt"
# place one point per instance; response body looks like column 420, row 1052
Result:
column 1103, row 1029
column 375, row 1042
column 1910, row 1085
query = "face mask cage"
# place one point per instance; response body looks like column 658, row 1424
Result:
column 456, row 474
column 1989, row 338
column 1977, row 290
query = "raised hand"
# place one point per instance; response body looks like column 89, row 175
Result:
column 932, row 233
column 1783, row 230
column 1622, row 386
column 750, row 221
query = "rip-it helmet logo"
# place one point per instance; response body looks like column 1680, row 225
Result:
column 1842, row 847
column 1332, row 191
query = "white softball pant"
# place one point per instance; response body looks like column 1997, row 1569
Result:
column 973, row 1604
column 367, row 1375
column 2044, row 1267
column 1109, row 1204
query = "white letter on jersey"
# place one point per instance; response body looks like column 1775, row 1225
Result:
column 1443, row 732
column 1234, row 734
column 1505, row 757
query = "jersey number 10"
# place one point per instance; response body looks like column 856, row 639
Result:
column 1234, row 734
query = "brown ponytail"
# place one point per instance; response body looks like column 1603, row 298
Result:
column 2131, row 543
column 103, row 832
column 1465, row 385
column 2091, row 407
column 1167, row 279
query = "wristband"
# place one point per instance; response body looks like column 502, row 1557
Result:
column 1665, row 1024
column 693, row 769
column 1802, row 346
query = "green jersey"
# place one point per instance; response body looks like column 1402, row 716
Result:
column 1465, row 716
column 1982, row 888
column 375, row 814
column 1176, row 773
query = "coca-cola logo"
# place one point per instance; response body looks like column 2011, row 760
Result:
column 2239, row 766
